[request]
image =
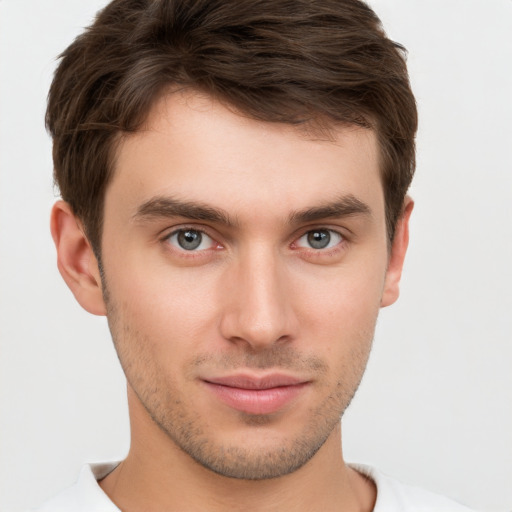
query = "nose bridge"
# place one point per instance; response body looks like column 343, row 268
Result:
column 259, row 312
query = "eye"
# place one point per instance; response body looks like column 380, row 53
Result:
column 319, row 239
column 191, row 240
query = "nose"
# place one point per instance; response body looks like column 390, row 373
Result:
column 257, row 302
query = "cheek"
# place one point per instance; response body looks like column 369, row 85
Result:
column 169, row 306
column 343, row 298
column 338, row 316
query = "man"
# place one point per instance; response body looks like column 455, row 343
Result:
column 234, row 178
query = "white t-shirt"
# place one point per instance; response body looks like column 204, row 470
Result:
column 392, row 496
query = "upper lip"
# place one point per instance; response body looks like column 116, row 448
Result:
column 245, row 381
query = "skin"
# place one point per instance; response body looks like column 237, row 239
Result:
column 254, row 297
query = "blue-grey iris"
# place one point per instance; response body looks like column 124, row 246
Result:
column 189, row 239
column 319, row 239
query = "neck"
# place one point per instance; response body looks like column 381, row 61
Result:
column 158, row 476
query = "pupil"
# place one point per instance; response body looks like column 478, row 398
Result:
column 319, row 239
column 189, row 239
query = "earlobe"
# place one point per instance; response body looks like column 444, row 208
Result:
column 76, row 260
column 397, row 255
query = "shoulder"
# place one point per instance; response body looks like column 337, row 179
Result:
column 395, row 496
column 85, row 495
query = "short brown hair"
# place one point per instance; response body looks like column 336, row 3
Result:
column 285, row 61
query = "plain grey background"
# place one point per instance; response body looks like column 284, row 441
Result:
column 435, row 406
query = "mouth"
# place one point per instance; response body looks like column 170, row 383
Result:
column 257, row 394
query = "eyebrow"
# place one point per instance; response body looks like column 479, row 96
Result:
column 166, row 207
column 345, row 206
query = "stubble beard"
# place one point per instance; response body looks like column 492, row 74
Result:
column 244, row 462
column 188, row 431
column 185, row 428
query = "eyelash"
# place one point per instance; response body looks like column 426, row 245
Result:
column 310, row 251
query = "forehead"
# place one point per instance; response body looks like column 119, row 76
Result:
column 193, row 146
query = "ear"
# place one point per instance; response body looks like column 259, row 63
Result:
column 75, row 259
column 397, row 255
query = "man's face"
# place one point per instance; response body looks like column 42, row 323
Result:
column 244, row 267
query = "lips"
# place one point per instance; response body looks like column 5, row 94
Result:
column 256, row 394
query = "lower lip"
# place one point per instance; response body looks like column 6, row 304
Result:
column 256, row 401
